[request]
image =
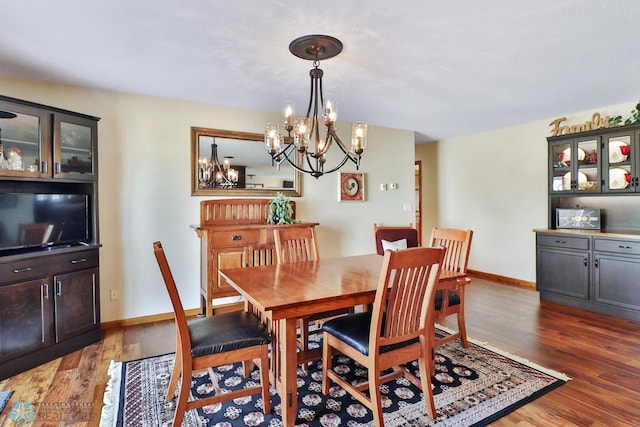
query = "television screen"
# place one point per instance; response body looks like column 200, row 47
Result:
column 36, row 220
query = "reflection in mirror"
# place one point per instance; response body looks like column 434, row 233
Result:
column 236, row 163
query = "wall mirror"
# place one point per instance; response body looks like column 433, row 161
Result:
column 234, row 163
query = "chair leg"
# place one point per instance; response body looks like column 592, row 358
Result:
column 183, row 396
column 376, row 400
column 175, row 375
column 425, row 380
column 326, row 364
column 303, row 324
column 462, row 328
column 264, row 379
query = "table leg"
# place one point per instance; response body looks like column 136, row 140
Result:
column 288, row 371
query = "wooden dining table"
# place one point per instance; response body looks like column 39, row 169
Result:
column 285, row 293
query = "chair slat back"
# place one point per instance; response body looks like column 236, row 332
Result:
column 259, row 254
column 405, row 295
column 458, row 244
column 36, row 233
column 295, row 245
column 178, row 310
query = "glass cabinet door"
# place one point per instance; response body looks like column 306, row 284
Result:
column 618, row 171
column 24, row 137
column 74, row 147
column 561, row 160
column 575, row 166
column 588, row 167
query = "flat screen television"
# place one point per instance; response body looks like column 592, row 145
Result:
column 30, row 220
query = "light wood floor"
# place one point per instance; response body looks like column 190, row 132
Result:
column 600, row 353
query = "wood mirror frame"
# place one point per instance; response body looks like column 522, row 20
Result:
column 257, row 177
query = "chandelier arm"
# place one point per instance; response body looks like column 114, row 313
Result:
column 339, row 165
column 285, row 153
column 311, row 97
column 317, row 79
column 340, row 143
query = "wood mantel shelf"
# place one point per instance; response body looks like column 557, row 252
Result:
column 227, row 227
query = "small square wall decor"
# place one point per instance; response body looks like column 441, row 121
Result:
column 351, row 187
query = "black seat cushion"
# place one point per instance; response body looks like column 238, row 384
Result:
column 454, row 299
column 226, row 331
column 354, row 329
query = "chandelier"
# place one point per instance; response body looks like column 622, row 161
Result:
column 212, row 174
column 303, row 147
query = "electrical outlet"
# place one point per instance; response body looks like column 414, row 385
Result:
column 114, row 295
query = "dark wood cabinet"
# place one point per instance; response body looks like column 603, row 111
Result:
column 43, row 142
column 49, row 291
column 617, row 273
column 565, row 272
column 45, row 317
column 594, row 270
column 76, row 300
column 26, row 318
column 590, row 270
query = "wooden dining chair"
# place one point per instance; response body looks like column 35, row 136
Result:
column 392, row 237
column 297, row 245
column 205, row 343
column 398, row 330
column 451, row 300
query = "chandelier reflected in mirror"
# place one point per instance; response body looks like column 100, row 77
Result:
column 213, row 174
column 301, row 145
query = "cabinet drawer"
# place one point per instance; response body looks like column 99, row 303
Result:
column 45, row 266
column 561, row 241
column 234, row 238
column 631, row 247
column 76, row 261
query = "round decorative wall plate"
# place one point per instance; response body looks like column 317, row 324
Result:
column 351, row 187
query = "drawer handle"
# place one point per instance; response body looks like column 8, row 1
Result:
column 562, row 242
column 625, row 247
column 78, row 261
column 586, row 263
column 236, row 237
column 22, row 270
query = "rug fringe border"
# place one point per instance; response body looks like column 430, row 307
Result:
column 559, row 375
column 108, row 417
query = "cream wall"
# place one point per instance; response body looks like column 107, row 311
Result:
column 495, row 183
column 144, row 189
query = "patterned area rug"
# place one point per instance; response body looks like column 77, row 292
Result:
column 472, row 387
column 4, row 398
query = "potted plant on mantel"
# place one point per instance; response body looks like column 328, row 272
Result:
column 281, row 211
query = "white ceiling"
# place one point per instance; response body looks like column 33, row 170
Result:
column 441, row 68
